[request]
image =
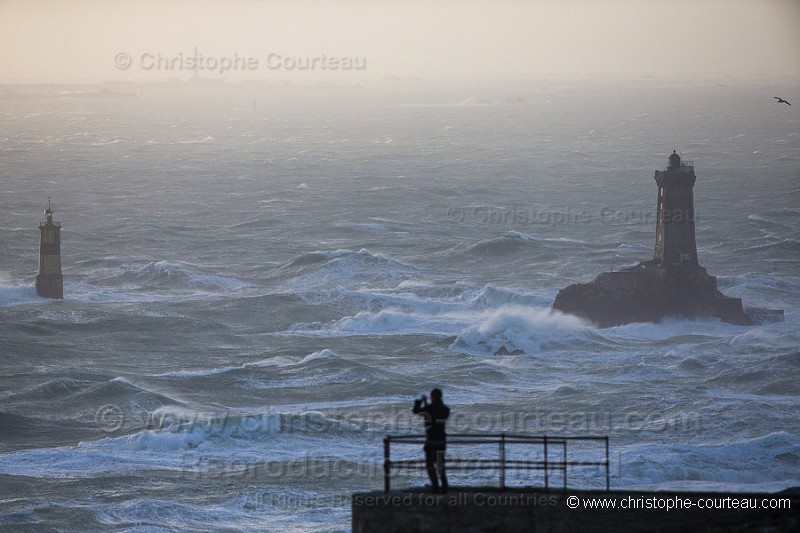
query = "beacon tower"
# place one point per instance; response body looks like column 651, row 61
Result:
column 50, row 282
column 675, row 242
column 672, row 284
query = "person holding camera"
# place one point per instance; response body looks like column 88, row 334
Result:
column 435, row 414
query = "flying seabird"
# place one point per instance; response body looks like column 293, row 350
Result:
column 781, row 100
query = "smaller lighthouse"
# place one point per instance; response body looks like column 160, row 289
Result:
column 50, row 282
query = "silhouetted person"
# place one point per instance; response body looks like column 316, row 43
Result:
column 435, row 414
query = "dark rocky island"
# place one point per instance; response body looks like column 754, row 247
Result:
column 649, row 293
column 672, row 284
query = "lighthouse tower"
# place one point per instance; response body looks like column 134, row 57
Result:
column 675, row 242
column 50, row 282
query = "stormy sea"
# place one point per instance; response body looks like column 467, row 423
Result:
column 260, row 279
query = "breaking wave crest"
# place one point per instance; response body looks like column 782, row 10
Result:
column 520, row 328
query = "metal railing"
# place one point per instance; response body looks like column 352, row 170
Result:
column 547, row 464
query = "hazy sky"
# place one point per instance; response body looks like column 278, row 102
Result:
column 466, row 40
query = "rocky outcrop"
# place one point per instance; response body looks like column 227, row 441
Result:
column 650, row 293
column 504, row 351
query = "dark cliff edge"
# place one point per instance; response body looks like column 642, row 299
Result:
column 650, row 293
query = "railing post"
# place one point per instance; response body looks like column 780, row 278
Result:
column 565, row 465
column 608, row 482
column 386, row 464
column 502, row 461
column 546, row 466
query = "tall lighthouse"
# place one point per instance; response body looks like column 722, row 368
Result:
column 675, row 241
column 50, row 282
column 672, row 283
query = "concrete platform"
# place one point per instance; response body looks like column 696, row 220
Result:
column 490, row 510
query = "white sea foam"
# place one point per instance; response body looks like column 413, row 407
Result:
column 193, row 279
column 18, row 294
column 199, row 373
column 194, row 440
column 385, row 322
column 208, row 139
column 164, row 441
column 366, row 227
column 349, row 269
column 411, row 314
column 516, row 327
column 736, row 463
column 322, row 354
column 152, row 281
column 671, row 328
column 277, row 361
